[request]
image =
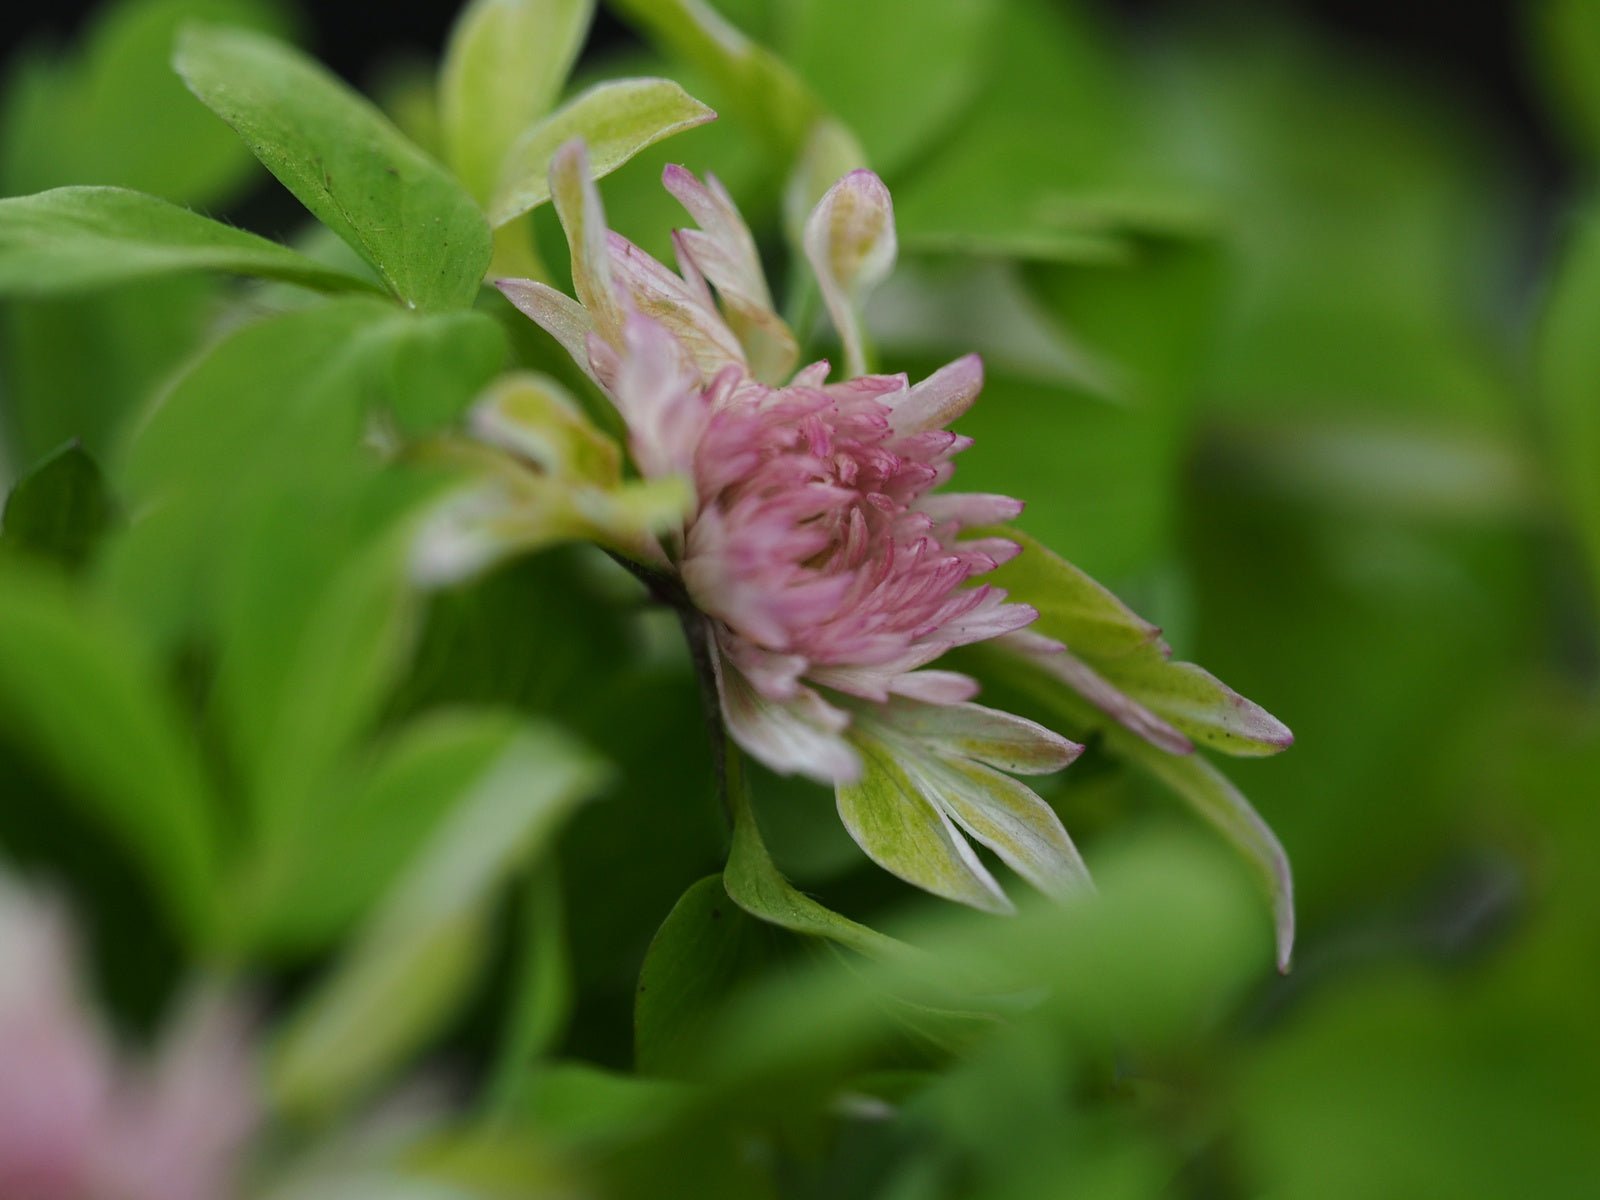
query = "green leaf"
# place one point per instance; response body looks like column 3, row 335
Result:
column 755, row 884
column 111, row 111
column 759, row 87
column 543, row 991
column 1567, row 39
column 1073, row 608
column 84, row 237
column 616, row 120
column 345, row 162
column 905, row 834
column 433, row 365
column 60, row 509
column 419, row 956
column 699, row 957
column 1213, row 797
column 85, row 700
column 370, row 820
column 900, row 104
column 1203, row 788
column 504, row 66
column 1569, row 385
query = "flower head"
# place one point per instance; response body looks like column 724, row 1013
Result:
column 817, row 543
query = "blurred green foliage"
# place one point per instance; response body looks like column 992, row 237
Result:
column 1258, row 356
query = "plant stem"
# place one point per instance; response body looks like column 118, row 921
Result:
column 667, row 589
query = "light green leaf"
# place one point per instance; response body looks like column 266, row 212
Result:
column 900, row 830
column 504, row 66
column 1214, row 798
column 755, row 884
column 418, row 957
column 84, row 237
column 345, row 161
column 698, row 958
column 616, row 121
column 1120, row 664
column 58, row 510
column 760, row 88
column 1073, row 608
column 1191, row 777
column 86, row 699
column 1569, row 384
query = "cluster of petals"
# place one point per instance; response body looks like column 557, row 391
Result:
column 818, row 544
column 79, row 1121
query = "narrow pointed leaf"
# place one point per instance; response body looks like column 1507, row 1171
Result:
column 755, row 884
column 504, row 67
column 903, row 833
column 1214, row 798
column 1073, row 608
column 765, row 93
column 1007, row 817
column 616, row 120
column 1197, row 703
column 74, row 238
column 345, row 161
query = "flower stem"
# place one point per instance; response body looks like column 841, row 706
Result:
column 667, row 589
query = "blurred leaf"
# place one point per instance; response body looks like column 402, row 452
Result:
column 701, row 954
column 114, row 113
column 1566, row 37
column 314, row 622
column 91, row 705
column 504, row 66
column 345, row 162
column 542, row 993
column 277, row 408
column 77, row 367
column 616, row 121
column 60, row 509
column 370, row 819
column 1569, row 385
column 436, row 365
column 417, row 958
column 84, row 237
column 755, row 85
column 898, row 103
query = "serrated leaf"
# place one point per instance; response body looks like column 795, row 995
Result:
column 60, row 509
column 504, row 66
column 345, row 162
column 900, row 830
column 84, row 698
column 616, row 120
column 417, row 958
column 73, row 238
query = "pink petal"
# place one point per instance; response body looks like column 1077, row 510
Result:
column 938, row 400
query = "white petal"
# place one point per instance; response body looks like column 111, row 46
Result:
column 939, row 399
column 850, row 243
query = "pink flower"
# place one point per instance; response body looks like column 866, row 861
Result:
column 79, row 1123
column 818, row 544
